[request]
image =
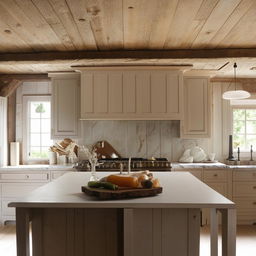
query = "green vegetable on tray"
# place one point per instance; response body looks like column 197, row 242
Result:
column 100, row 184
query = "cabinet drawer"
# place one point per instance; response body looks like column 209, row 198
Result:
column 244, row 175
column 18, row 190
column 246, row 219
column 221, row 188
column 10, row 211
column 25, row 176
column 248, row 203
column 56, row 174
column 244, row 189
column 215, row 175
column 196, row 173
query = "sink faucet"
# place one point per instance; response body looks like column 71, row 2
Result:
column 251, row 154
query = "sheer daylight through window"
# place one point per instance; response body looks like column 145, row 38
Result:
column 39, row 138
column 244, row 128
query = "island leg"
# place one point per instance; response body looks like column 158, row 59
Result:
column 214, row 232
column 22, row 231
column 228, row 232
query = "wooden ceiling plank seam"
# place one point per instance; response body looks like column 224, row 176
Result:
column 231, row 22
column 54, row 22
column 35, row 16
column 161, row 23
column 22, row 23
column 25, row 29
column 61, row 9
column 137, row 23
column 112, row 20
column 96, row 27
column 78, row 12
column 180, row 27
column 210, row 5
column 248, row 21
column 216, row 19
column 199, row 21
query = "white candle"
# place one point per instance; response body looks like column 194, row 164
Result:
column 129, row 165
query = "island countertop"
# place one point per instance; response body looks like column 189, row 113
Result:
column 180, row 190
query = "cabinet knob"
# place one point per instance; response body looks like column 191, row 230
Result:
column 27, row 176
column 254, row 203
column 215, row 175
column 254, row 187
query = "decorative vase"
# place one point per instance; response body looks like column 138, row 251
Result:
column 93, row 173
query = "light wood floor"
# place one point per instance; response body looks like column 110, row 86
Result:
column 246, row 241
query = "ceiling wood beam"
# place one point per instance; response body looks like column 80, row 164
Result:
column 8, row 88
column 232, row 80
column 25, row 77
column 129, row 54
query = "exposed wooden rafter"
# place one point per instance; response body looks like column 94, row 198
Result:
column 127, row 54
column 8, row 87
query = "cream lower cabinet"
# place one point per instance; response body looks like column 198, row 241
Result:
column 131, row 94
column 244, row 195
column 18, row 184
column 197, row 108
column 218, row 179
column 65, row 105
column 221, row 181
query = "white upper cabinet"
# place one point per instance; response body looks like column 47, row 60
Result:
column 197, row 108
column 65, row 105
column 131, row 93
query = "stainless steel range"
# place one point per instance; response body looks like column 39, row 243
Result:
column 136, row 164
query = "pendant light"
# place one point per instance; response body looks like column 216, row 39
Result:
column 235, row 94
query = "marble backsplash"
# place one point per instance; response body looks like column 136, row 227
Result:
column 140, row 138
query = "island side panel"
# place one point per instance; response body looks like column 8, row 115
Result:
column 156, row 232
column 77, row 232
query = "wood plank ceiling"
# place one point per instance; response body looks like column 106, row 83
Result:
column 108, row 25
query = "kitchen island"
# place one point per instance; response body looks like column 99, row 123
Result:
column 67, row 222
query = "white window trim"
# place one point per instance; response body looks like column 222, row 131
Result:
column 243, row 154
column 25, row 125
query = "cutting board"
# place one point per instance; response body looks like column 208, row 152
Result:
column 121, row 193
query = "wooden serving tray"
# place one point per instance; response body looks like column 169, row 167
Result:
column 121, row 193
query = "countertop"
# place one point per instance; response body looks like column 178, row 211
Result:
column 180, row 190
column 37, row 167
column 198, row 165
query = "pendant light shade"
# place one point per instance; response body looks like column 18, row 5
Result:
column 235, row 94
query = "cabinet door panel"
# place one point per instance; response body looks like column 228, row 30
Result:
column 100, row 93
column 195, row 106
column 115, row 93
column 129, row 93
column 158, row 92
column 65, row 104
column 173, row 93
column 143, row 92
column 87, row 94
column 197, row 112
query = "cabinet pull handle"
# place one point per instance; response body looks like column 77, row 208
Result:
column 27, row 176
column 254, row 187
column 215, row 175
column 254, row 203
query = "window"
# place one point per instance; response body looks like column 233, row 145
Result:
column 244, row 128
column 38, row 127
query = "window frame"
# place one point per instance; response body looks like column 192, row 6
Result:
column 25, row 126
column 247, row 152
